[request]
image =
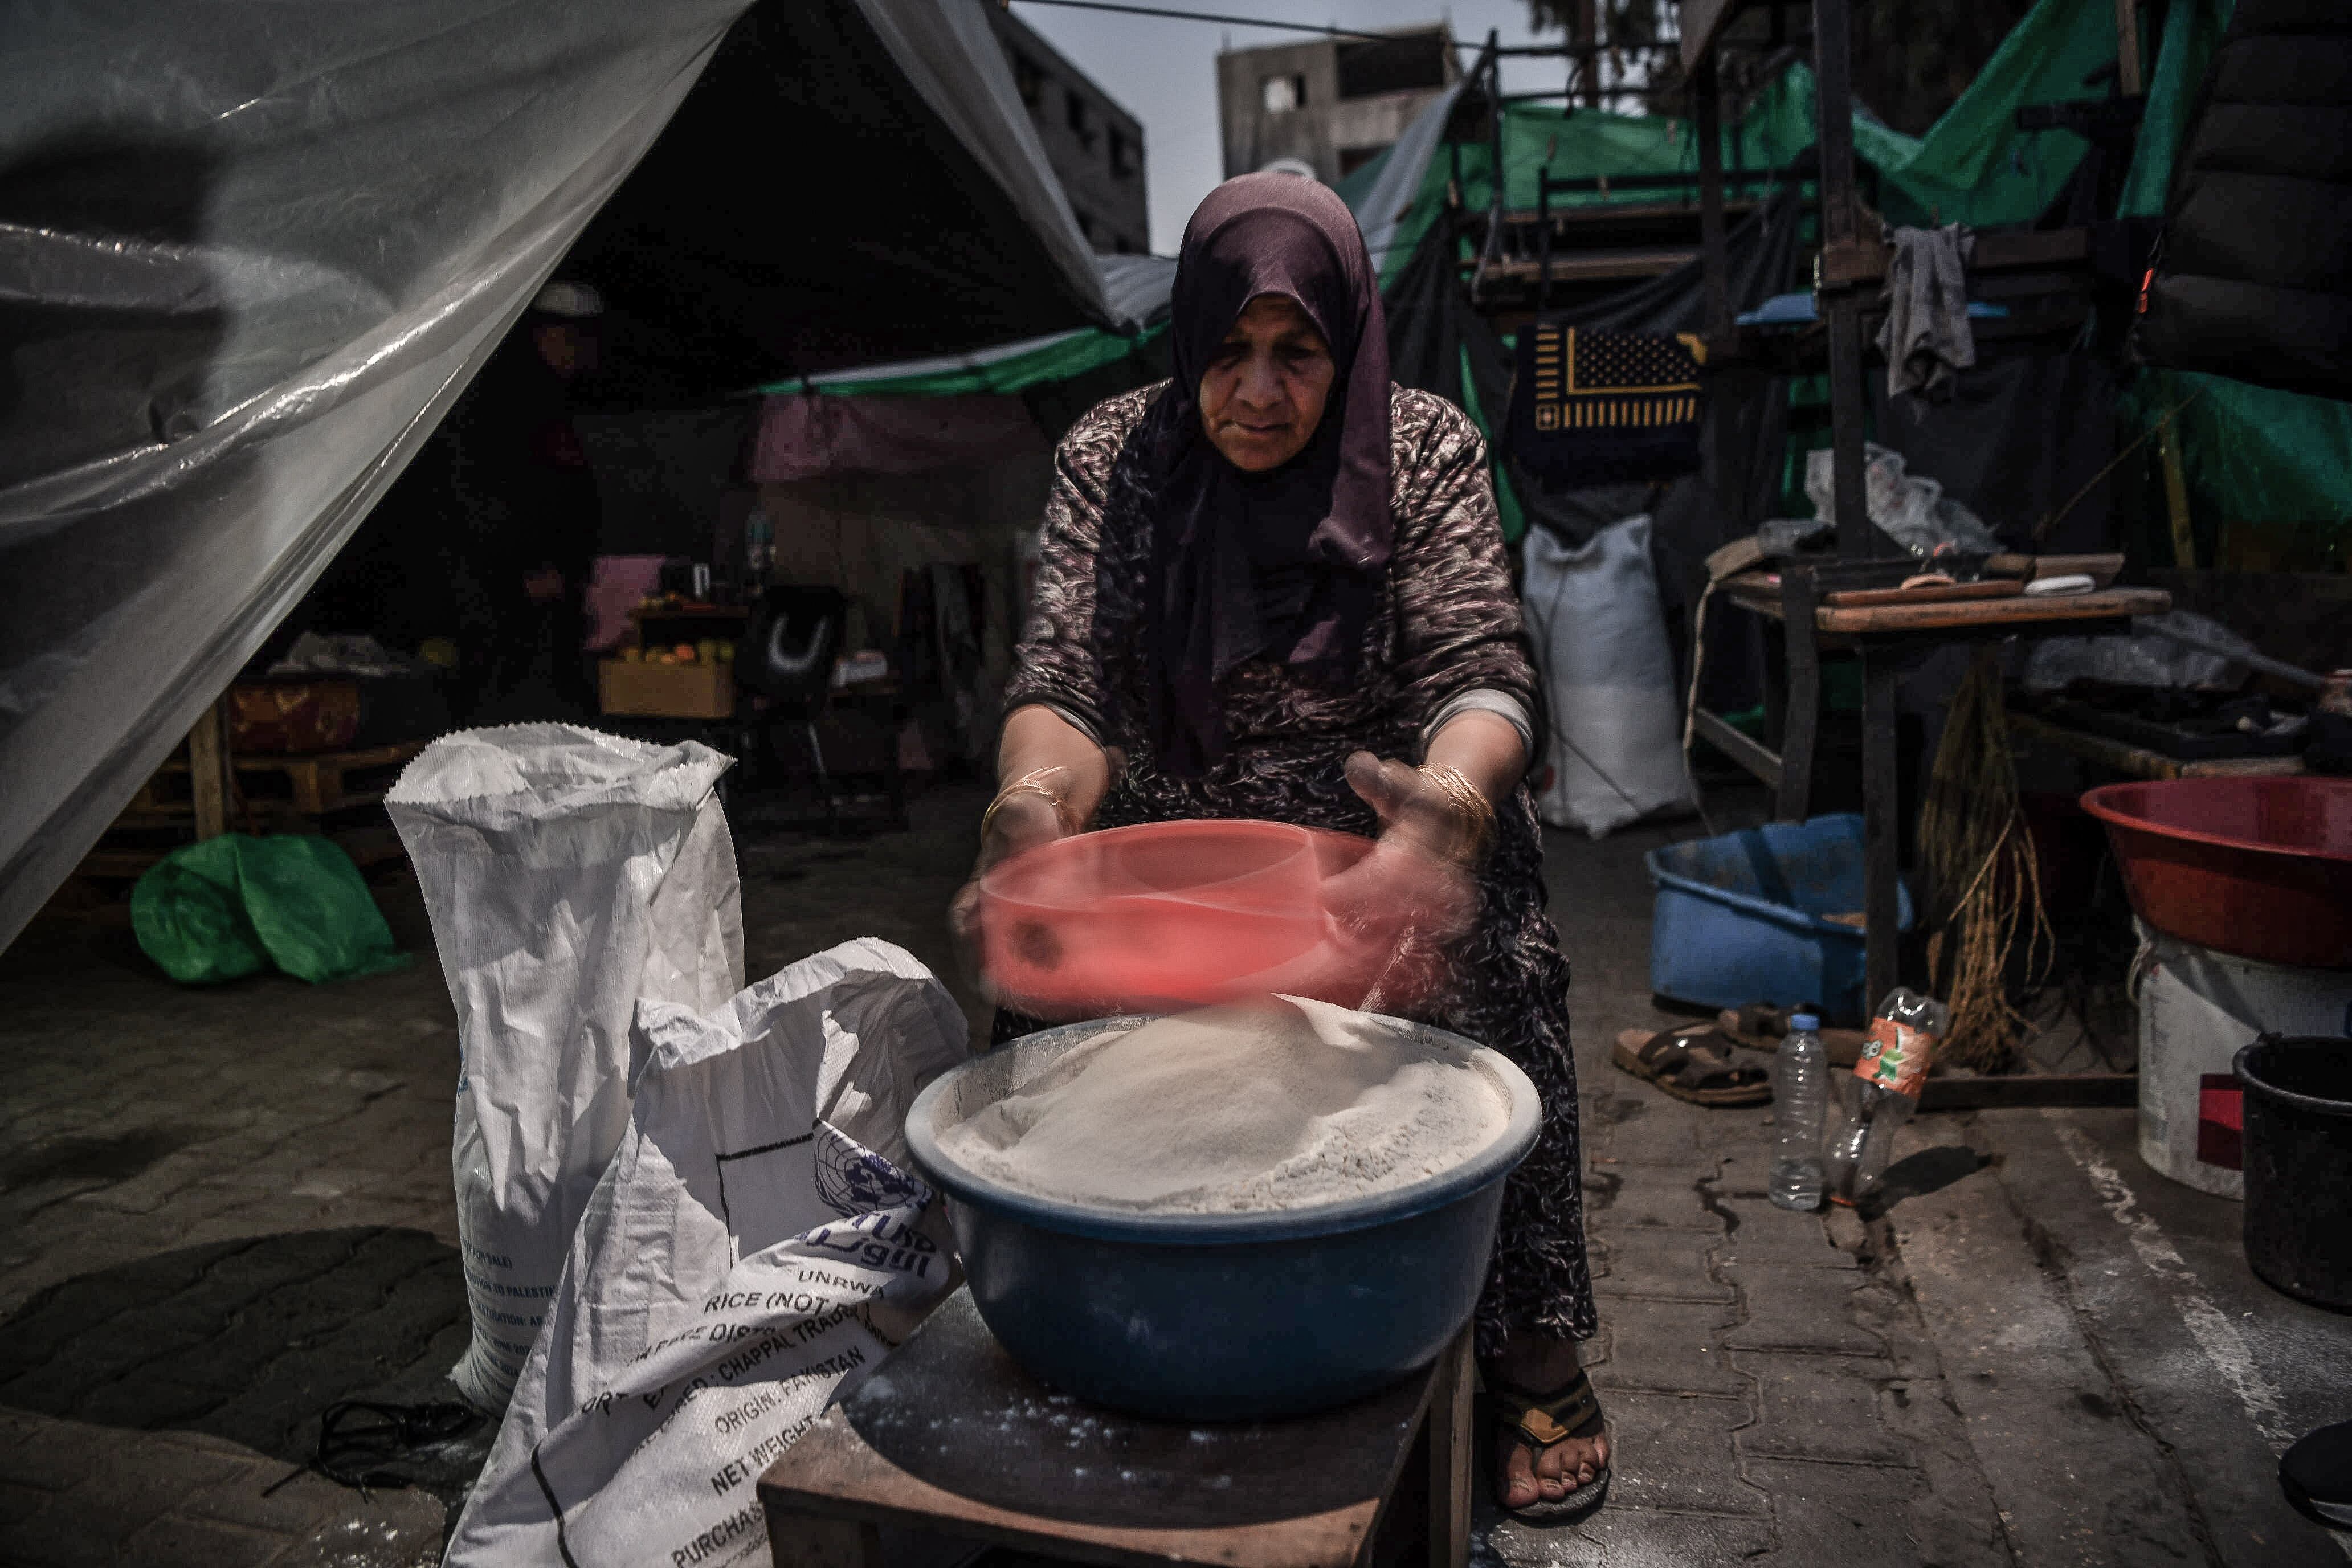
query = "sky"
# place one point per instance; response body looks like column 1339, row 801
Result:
column 1165, row 72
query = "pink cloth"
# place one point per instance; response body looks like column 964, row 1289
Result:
column 806, row 437
column 617, row 582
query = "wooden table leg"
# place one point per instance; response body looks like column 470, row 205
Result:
column 208, row 770
column 810, row 1541
column 1801, row 704
column 1450, row 1449
column 1881, row 827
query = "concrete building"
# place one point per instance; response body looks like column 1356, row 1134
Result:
column 1332, row 104
column 1095, row 146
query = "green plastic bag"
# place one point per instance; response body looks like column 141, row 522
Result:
column 232, row 906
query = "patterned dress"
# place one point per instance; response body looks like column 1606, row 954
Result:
column 1447, row 623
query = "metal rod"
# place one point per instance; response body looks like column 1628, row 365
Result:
column 1801, row 698
column 1707, row 124
column 2151, row 626
column 1543, row 236
column 2128, row 48
column 1585, row 39
column 1165, row 13
column 1689, row 181
column 2176, row 493
column 1880, row 835
column 1856, row 539
column 1491, row 67
column 1834, row 73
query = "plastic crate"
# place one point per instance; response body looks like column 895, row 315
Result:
column 1744, row 918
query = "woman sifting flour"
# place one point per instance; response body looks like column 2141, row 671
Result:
column 1264, row 586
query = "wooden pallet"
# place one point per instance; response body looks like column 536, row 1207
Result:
column 265, row 793
column 315, row 784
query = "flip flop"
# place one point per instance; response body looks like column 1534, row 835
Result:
column 1537, row 1421
column 1760, row 1026
column 1693, row 1063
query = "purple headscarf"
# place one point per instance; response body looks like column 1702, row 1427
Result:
column 1288, row 561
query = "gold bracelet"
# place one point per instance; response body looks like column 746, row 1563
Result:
column 1028, row 786
column 1476, row 813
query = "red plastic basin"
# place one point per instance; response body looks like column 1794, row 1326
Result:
column 1169, row 914
column 2257, row 866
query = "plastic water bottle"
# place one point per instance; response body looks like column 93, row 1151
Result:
column 1884, row 1090
column 758, row 548
column 1801, row 1090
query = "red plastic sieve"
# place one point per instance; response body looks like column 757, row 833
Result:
column 2257, row 866
column 1174, row 914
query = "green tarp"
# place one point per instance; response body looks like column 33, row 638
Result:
column 2280, row 462
column 2248, row 453
column 2192, row 28
column 1062, row 357
column 227, row 907
column 1973, row 165
column 1506, row 499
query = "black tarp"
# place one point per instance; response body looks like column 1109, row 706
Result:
column 807, row 208
column 1433, row 329
column 2253, row 275
column 2022, row 436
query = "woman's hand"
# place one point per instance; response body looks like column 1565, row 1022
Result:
column 1416, row 894
column 1022, row 819
column 1435, row 810
column 1055, row 775
column 1421, row 867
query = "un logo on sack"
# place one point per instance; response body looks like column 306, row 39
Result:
column 855, row 1181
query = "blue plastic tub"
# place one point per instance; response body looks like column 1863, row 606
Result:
column 1221, row 1317
column 1741, row 918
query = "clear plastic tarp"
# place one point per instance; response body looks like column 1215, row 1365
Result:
column 250, row 254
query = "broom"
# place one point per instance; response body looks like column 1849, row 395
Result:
column 1980, row 862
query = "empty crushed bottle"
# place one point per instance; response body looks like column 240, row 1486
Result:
column 1884, row 1092
column 1801, row 1090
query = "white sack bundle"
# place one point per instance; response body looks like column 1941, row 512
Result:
column 758, row 1239
column 1615, row 747
column 568, row 874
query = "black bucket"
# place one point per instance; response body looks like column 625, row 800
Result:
column 2298, row 1156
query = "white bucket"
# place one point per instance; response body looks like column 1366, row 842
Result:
column 2196, row 1008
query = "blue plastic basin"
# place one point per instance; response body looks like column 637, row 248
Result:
column 1223, row 1317
column 1742, row 918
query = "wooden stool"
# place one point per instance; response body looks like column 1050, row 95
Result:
column 948, row 1436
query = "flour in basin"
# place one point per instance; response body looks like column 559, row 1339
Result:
column 1271, row 1105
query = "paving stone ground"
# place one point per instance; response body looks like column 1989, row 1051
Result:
column 222, row 1210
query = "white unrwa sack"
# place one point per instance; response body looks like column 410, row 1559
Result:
column 1615, row 748
column 568, row 873
column 758, row 1239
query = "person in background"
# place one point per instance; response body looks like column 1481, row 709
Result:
column 1263, row 587
column 527, row 513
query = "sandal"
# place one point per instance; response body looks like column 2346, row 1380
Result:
column 1536, row 1421
column 1693, row 1063
column 1762, row 1027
